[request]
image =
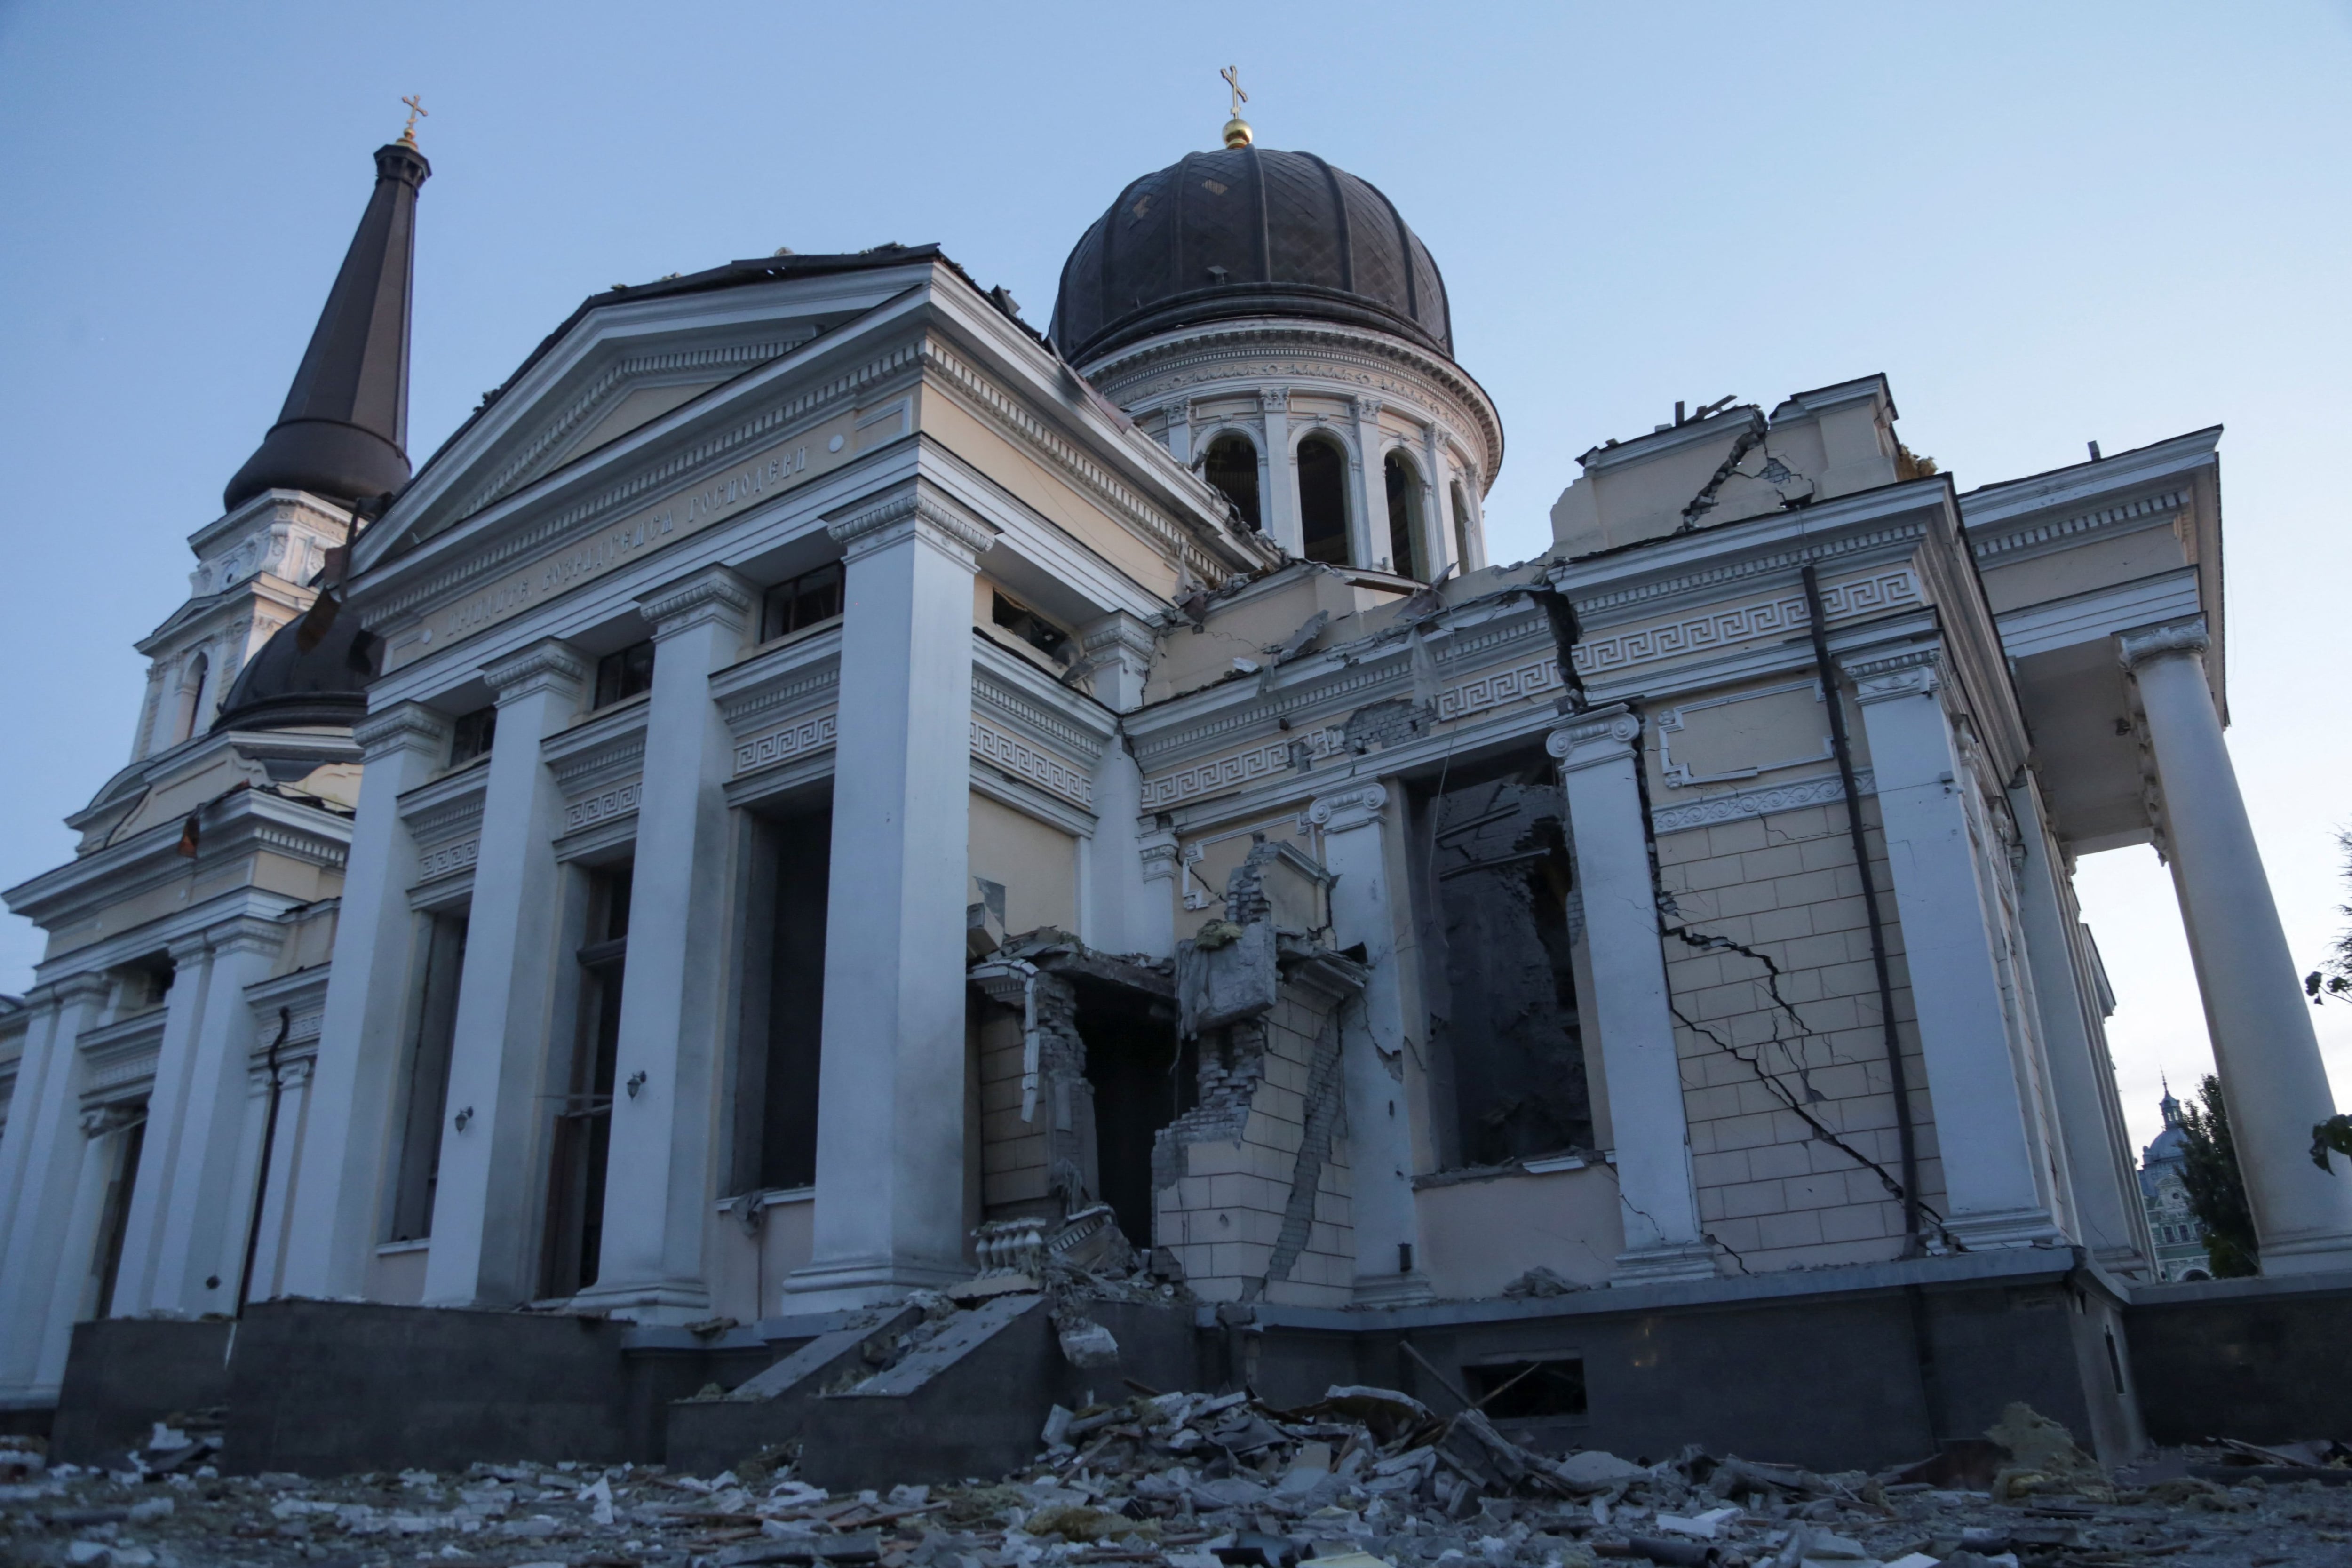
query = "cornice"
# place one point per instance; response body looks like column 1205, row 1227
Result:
column 1689, row 567
column 238, row 823
column 712, row 594
column 602, row 749
column 781, row 681
column 1988, row 541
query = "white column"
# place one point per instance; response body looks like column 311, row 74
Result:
column 1156, row 853
column 78, row 1254
column 483, row 1213
column 1119, row 648
column 2264, row 1047
column 1436, row 525
column 138, row 1281
column 1180, row 430
column 201, row 1208
column 2098, row 1156
column 41, row 1158
column 657, row 1185
column 335, row 1224
column 1280, row 499
column 1368, row 527
column 890, row 1119
column 1992, row 1183
column 1358, row 839
column 1597, row 753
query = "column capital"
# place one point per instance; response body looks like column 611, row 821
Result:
column 2135, row 648
column 1367, row 408
column 245, row 933
column 1349, row 808
column 1273, row 399
column 1915, row 672
column 112, row 1117
column 1157, row 852
column 1119, row 636
column 403, row 726
column 700, row 598
column 551, row 664
column 89, row 985
column 912, row 512
column 186, row 950
column 1596, row 736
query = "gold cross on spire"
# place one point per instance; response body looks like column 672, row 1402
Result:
column 1237, row 129
column 415, row 109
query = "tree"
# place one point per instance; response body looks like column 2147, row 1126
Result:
column 2216, row 1195
column 2333, row 975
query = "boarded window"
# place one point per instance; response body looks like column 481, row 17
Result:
column 1510, row 1049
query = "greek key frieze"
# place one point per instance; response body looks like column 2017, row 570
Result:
column 1038, row 766
column 1782, row 616
column 798, row 739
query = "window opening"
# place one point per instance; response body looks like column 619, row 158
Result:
column 1404, row 517
column 1232, row 466
column 1522, row 1389
column 623, row 675
column 144, row 985
column 799, row 602
column 783, row 1006
column 1030, row 628
column 1323, row 501
column 584, row 1123
column 1511, row 1050
column 471, row 735
column 191, row 693
column 1461, row 528
column 428, row 1078
column 1142, row 1079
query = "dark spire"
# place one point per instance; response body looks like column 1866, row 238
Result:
column 343, row 432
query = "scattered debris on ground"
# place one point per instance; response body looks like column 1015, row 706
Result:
column 1364, row 1477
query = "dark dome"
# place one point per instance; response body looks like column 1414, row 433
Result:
column 1247, row 232
column 282, row 687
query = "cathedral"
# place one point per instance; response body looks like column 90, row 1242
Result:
column 819, row 791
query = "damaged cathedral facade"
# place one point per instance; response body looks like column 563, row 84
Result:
column 818, row 790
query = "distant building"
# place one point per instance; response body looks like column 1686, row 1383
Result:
column 2180, row 1235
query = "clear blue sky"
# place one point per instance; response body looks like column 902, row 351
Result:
column 2046, row 224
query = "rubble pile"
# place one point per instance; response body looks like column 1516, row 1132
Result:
column 1364, row 1477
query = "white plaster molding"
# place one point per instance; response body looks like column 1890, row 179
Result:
column 2148, row 511
column 1349, row 809
column 1732, row 808
column 548, row 665
column 786, row 742
column 1034, row 765
column 713, row 594
column 1239, row 768
column 1603, row 736
column 1672, row 721
column 604, row 806
column 245, row 934
column 407, row 727
column 446, row 859
column 1158, row 851
column 2135, row 648
column 1784, row 615
column 915, row 512
column 1492, row 688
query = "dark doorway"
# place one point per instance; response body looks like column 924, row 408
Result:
column 1142, row 1080
column 428, row 1077
column 584, row 1123
column 784, row 1002
column 114, row 1224
column 1323, row 501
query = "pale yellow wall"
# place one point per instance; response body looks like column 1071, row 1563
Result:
column 641, row 406
column 979, row 442
column 1478, row 1236
column 1037, row 863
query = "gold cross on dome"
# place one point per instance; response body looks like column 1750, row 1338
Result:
column 1233, row 79
column 416, row 110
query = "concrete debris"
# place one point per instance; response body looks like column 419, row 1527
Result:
column 1363, row 1478
column 1540, row 1281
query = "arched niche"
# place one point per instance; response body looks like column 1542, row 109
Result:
column 189, row 716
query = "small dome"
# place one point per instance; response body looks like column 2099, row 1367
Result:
column 282, row 687
column 1247, row 232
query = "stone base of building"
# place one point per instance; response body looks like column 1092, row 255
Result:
column 1862, row 1366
